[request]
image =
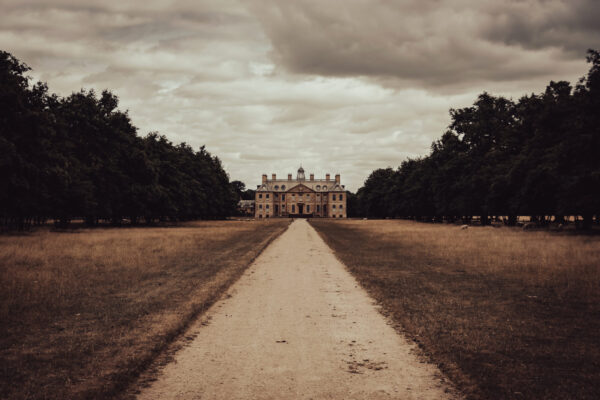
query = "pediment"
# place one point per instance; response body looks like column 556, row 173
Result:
column 300, row 189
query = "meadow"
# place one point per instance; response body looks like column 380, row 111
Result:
column 505, row 313
column 83, row 312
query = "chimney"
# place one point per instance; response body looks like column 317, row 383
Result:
column 327, row 177
column 312, row 177
column 273, row 176
column 264, row 179
column 289, row 177
column 337, row 178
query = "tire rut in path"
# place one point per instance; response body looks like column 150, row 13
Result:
column 297, row 326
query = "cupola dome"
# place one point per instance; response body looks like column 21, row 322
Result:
column 300, row 175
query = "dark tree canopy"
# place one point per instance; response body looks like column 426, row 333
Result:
column 80, row 157
column 539, row 156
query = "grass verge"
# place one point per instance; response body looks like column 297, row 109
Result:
column 83, row 313
column 506, row 314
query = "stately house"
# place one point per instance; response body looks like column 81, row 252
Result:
column 300, row 197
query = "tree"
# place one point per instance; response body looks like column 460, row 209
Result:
column 25, row 155
column 374, row 195
column 81, row 157
column 536, row 157
column 239, row 188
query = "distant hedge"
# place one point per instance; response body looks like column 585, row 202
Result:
column 80, row 157
column 539, row 156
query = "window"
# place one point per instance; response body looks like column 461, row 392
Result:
column 341, row 216
column 267, row 215
column 324, row 187
column 333, row 206
column 260, row 206
column 318, row 187
column 282, row 187
column 318, row 208
column 293, row 208
column 341, row 206
column 333, row 197
column 283, row 196
column 341, row 198
column 308, row 195
column 333, row 216
column 283, row 207
column 294, row 196
column 260, row 216
column 276, row 187
column 307, row 208
column 268, row 196
column 260, row 196
column 267, row 206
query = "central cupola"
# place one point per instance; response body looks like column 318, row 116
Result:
column 300, row 176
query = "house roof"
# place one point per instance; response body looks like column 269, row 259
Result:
column 284, row 185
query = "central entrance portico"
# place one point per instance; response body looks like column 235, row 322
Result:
column 301, row 201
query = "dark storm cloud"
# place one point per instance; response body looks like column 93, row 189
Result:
column 430, row 42
column 573, row 26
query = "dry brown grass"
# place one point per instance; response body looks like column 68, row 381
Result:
column 83, row 312
column 506, row 313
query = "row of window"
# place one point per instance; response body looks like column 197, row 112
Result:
column 260, row 206
column 260, row 196
column 318, row 187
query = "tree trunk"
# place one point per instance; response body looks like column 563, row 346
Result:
column 588, row 219
column 63, row 222
column 485, row 220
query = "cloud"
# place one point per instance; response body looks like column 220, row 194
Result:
column 339, row 86
column 571, row 26
column 439, row 43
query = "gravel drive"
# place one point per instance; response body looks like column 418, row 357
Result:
column 297, row 326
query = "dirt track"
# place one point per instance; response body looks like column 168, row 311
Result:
column 296, row 326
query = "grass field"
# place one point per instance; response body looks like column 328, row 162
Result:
column 506, row 313
column 82, row 313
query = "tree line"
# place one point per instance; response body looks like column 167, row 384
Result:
column 78, row 156
column 538, row 156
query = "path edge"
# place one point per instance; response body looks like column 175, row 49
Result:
column 130, row 386
column 419, row 351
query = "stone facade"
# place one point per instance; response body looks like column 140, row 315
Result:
column 300, row 197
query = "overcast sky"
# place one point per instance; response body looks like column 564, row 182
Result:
column 339, row 86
